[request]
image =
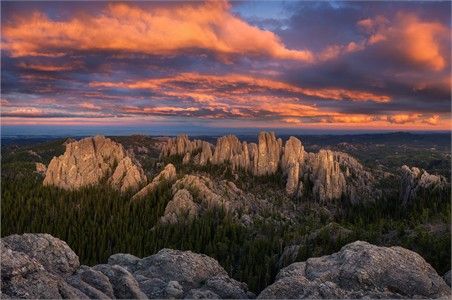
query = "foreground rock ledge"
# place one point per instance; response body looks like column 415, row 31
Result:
column 41, row 266
column 359, row 270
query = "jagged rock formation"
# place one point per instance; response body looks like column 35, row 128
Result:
column 293, row 156
column 325, row 174
column 91, row 160
column 359, row 270
column 415, row 179
column 180, row 145
column 41, row 266
column 180, row 207
column 331, row 174
column 268, row 154
column 196, row 194
column 168, row 174
column 41, row 168
column 227, row 147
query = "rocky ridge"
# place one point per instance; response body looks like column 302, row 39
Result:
column 359, row 270
column 168, row 174
column 41, row 266
column 414, row 179
column 91, row 160
column 332, row 174
column 195, row 194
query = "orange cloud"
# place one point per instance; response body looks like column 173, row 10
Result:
column 26, row 111
column 207, row 88
column 414, row 39
column 433, row 120
column 123, row 27
column 350, row 119
column 47, row 67
column 90, row 106
column 404, row 118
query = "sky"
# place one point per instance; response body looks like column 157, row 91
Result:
column 217, row 64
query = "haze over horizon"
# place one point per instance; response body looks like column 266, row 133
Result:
column 215, row 67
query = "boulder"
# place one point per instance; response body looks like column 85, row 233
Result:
column 127, row 261
column 89, row 161
column 189, row 269
column 124, row 284
column 23, row 267
column 93, row 283
column 359, row 270
column 53, row 254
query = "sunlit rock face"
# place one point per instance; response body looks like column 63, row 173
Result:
column 415, row 179
column 268, row 154
column 167, row 174
column 324, row 172
column 226, row 148
column 331, row 174
column 180, row 145
column 91, row 160
column 41, row 168
column 291, row 161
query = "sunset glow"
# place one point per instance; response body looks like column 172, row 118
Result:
column 220, row 64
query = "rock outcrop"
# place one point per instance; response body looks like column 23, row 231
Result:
column 167, row 174
column 268, row 154
column 291, row 161
column 181, row 208
column 91, row 160
column 180, row 145
column 331, row 174
column 35, row 266
column 413, row 180
column 40, row 266
column 226, row 148
column 359, row 270
column 324, row 172
column 195, row 194
column 41, row 168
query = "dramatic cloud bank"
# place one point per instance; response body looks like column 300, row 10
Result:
column 365, row 65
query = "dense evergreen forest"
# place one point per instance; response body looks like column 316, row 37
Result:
column 98, row 221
